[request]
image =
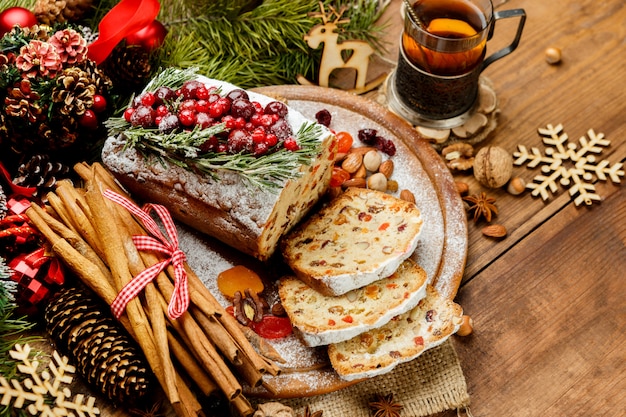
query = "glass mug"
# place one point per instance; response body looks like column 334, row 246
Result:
column 436, row 81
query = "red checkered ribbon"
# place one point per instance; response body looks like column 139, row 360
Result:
column 159, row 243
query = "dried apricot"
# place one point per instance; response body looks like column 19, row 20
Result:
column 239, row 278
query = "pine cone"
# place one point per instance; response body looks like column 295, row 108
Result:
column 128, row 66
column 106, row 356
column 22, row 102
column 40, row 172
column 74, row 92
column 59, row 11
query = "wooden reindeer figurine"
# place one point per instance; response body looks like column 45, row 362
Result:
column 348, row 54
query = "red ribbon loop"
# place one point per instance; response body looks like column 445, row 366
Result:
column 159, row 243
column 126, row 18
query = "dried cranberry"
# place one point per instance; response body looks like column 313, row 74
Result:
column 143, row 116
column 388, row 147
column 323, row 117
column 276, row 107
column 237, row 94
column 242, row 108
column 368, row 136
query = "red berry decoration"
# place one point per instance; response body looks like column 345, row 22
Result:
column 150, row 37
column 99, row 103
column 89, row 120
column 16, row 16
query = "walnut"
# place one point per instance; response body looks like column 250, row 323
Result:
column 249, row 308
column 493, row 166
column 459, row 156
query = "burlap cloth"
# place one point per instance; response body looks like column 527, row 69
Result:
column 430, row 384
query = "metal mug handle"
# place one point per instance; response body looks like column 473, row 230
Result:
column 505, row 14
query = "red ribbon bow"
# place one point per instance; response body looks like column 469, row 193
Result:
column 26, row 267
column 180, row 298
column 127, row 17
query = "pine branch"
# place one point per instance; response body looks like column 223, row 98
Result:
column 252, row 43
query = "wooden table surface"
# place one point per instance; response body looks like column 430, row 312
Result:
column 549, row 301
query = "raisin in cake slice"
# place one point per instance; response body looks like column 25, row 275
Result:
column 360, row 237
column 404, row 338
column 321, row 320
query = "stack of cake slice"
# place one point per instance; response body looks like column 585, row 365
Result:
column 356, row 288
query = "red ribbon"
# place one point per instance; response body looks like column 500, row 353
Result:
column 157, row 242
column 126, row 18
column 16, row 189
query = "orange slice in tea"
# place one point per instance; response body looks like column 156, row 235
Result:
column 238, row 278
column 451, row 28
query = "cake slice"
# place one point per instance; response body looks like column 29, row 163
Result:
column 360, row 237
column 321, row 320
column 402, row 339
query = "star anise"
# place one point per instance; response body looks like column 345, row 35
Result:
column 384, row 406
column 309, row 413
column 482, row 206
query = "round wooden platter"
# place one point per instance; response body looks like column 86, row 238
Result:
column 443, row 241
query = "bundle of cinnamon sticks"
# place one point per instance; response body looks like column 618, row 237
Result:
column 201, row 352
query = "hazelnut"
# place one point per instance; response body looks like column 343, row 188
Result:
column 493, row 166
column 467, row 326
column 377, row 182
column 462, row 188
column 516, row 186
column 553, row 55
column 372, row 160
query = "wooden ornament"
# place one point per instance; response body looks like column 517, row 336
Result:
column 353, row 54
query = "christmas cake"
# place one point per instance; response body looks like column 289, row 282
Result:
column 360, row 237
column 322, row 320
column 402, row 339
column 236, row 165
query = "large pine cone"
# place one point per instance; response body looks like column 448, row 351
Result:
column 106, row 356
column 50, row 12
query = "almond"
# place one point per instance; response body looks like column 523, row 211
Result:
column 494, row 230
column 407, row 195
column 352, row 162
column 361, row 172
column 386, row 168
column 355, row 182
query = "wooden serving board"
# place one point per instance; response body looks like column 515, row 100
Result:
column 443, row 241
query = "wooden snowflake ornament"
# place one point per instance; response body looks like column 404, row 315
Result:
column 569, row 164
column 44, row 394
